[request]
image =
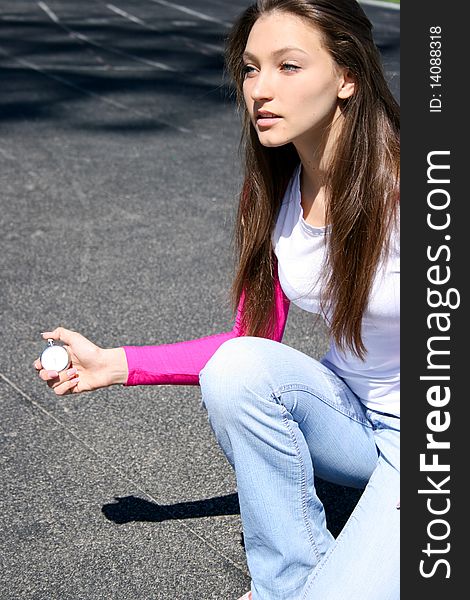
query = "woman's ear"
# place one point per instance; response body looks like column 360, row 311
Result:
column 348, row 85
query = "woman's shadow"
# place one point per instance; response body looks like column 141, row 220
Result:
column 339, row 502
column 131, row 508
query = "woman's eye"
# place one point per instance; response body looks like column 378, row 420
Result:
column 289, row 67
column 247, row 70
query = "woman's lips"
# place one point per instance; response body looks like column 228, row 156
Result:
column 267, row 119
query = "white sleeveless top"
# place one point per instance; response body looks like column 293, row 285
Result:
column 300, row 250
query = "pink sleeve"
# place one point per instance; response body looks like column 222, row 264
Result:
column 181, row 363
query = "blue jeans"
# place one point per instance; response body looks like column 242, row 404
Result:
column 282, row 417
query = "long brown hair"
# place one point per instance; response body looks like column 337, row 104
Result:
column 362, row 182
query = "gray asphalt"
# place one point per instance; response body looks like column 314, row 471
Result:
column 118, row 193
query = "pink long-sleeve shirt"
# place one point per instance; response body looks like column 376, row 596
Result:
column 180, row 363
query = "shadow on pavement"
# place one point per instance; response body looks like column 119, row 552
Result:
column 46, row 67
column 339, row 502
column 131, row 508
column 45, row 72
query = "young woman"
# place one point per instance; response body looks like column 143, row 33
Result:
column 318, row 226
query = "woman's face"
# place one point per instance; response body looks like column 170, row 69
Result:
column 291, row 83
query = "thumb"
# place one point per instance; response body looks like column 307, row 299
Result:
column 59, row 333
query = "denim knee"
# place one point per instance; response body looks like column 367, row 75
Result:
column 233, row 369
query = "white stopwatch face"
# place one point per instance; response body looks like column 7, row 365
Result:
column 55, row 358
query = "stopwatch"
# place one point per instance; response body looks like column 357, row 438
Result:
column 54, row 358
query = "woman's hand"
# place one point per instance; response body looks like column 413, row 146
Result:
column 91, row 367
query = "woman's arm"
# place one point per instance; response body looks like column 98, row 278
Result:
column 92, row 367
column 181, row 362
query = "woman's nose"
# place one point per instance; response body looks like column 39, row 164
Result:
column 262, row 88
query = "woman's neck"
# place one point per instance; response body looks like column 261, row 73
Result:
column 312, row 187
column 312, row 194
column 316, row 156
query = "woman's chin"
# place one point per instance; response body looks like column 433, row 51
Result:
column 271, row 141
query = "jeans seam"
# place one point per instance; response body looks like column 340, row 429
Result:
column 327, row 557
column 303, row 483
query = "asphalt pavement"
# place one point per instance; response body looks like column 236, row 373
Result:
column 119, row 178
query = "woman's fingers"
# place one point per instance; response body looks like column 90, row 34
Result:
column 66, row 387
column 63, row 382
column 54, row 379
column 59, row 333
column 48, row 375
